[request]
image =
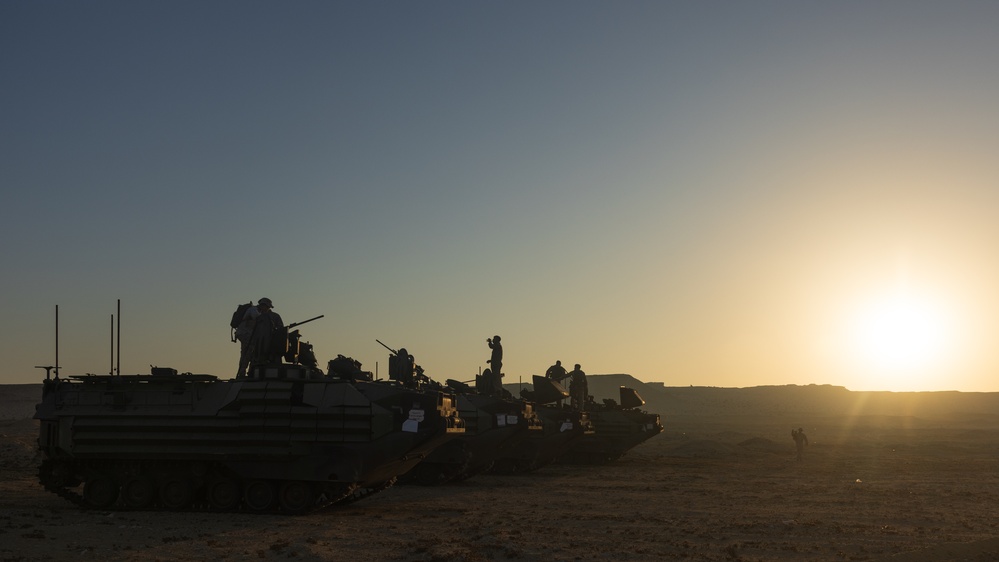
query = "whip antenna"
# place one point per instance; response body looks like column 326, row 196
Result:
column 119, row 338
column 111, row 372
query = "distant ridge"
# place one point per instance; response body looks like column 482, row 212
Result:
column 793, row 400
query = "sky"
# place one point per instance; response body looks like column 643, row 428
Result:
column 697, row 193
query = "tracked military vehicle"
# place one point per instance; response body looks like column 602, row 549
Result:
column 561, row 428
column 619, row 427
column 287, row 438
column 492, row 424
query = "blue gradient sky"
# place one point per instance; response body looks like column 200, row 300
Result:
column 702, row 193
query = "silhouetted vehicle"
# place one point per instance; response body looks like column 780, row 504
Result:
column 618, row 429
column 561, row 427
column 492, row 424
column 286, row 438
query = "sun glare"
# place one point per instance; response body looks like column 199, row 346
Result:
column 902, row 336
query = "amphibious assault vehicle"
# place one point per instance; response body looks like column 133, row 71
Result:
column 561, row 427
column 492, row 425
column 286, row 438
column 619, row 427
column 492, row 421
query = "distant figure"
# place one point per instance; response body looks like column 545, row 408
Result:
column 496, row 361
column 266, row 345
column 577, row 388
column 800, row 440
column 556, row 372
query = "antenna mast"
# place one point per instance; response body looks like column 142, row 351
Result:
column 119, row 338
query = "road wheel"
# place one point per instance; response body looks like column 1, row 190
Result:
column 176, row 492
column 296, row 496
column 224, row 494
column 259, row 495
column 138, row 491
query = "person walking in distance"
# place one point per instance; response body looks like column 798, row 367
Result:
column 800, row 440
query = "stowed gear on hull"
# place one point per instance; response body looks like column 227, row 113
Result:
column 287, row 439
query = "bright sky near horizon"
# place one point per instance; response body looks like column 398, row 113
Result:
column 698, row 193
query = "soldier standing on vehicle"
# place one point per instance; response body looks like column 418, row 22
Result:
column 268, row 329
column 800, row 440
column 402, row 367
column 577, row 388
column 496, row 363
column 243, row 333
column 556, row 372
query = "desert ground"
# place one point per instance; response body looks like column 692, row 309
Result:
column 721, row 483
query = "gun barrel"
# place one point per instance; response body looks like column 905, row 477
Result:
column 292, row 325
column 387, row 347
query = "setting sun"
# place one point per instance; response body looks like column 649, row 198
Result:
column 903, row 338
column 902, row 332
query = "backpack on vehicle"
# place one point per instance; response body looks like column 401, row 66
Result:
column 237, row 318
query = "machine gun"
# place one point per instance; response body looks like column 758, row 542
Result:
column 403, row 368
column 294, row 324
column 294, row 350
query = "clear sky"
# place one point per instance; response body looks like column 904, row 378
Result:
column 706, row 193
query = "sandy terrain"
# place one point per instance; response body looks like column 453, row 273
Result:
column 709, row 488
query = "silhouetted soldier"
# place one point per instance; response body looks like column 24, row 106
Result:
column 268, row 331
column 556, row 372
column 800, row 440
column 496, row 361
column 243, row 333
column 402, row 367
column 577, row 388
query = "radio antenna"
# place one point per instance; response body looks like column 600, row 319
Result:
column 111, row 372
column 118, row 369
